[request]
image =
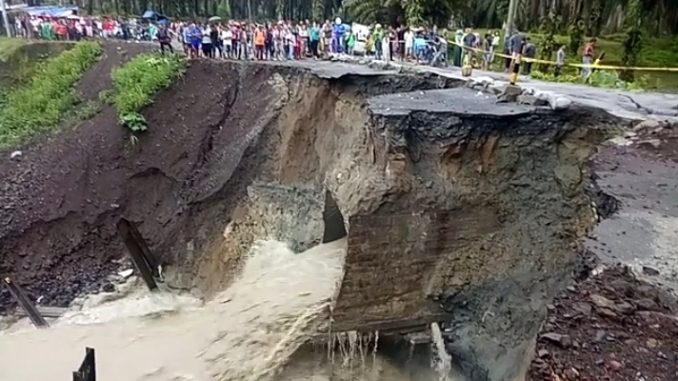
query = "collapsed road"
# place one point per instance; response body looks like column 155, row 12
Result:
column 456, row 208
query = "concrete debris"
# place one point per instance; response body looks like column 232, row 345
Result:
column 126, row 273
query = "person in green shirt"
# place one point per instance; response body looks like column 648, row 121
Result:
column 314, row 40
column 378, row 36
column 350, row 42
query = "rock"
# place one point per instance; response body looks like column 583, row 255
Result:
column 582, row 307
column 572, row 374
column 559, row 102
column 625, row 308
column 600, row 335
column 615, row 365
column 651, row 343
column 126, row 273
column 650, row 271
column 607, row 313
column 646, row 304
column 602, row 302
column 15, row 155
column 109, row 287
column 510, row 94
column 543, row 353
column 531, row 100
column 563, row 341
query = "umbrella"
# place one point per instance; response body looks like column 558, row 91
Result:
column 214, row 18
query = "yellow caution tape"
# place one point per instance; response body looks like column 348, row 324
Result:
column 577, row 65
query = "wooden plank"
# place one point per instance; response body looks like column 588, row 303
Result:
column 47, row 311
column 139, row 252
column 25, row 303
column 87, row 370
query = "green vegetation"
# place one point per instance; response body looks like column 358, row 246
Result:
column 136, row 82
column 41, row 103
column 9, row 45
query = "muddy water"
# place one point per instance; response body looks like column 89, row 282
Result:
column 252, row 331
column 246, row 333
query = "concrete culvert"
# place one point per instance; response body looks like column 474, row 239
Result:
column 335, row 226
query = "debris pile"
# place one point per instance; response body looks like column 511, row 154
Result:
column 609, row 327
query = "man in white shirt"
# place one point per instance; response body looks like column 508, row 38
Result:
column 409, row 43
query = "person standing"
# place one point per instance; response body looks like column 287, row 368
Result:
column 378, row 42
column 560, row 61
column 409, row 43
column 587, row 59
column 488, row 51
column 259, row 42
column 314, row 40
column 529, row 51
column 164, row 39
column 227, row 39
column 207, row 47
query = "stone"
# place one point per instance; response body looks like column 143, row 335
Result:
column 559, row 102
column 607, row 313
column 543, row 353
column 531, row 100
column 510, row 94
column 109, row 287
column 563, row 341
column 651, row 343
column 582, row 307
column 625, row 308
column 647, row 270
column 646, row 304
column 615, row 365
column 602, row 302
column 571, row 374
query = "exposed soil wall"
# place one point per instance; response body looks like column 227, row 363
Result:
column 454, row 212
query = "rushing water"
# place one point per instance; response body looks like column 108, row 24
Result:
column 249, row 332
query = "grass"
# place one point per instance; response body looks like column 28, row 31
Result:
column 9, row 45
column 136, row 82
column 41, row 103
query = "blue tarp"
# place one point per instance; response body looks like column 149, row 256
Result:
column 153, row 15
column 51, row 11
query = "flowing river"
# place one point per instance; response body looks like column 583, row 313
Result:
column 248, row 332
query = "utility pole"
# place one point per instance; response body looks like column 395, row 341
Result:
column 511, row 19
column 5, row 20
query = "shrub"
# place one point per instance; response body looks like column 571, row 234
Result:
column 43, row 101
column 136, row 82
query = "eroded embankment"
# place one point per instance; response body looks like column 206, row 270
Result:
column 217, row 130
column 457, row 209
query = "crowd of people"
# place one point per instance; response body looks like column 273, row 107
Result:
column 75, row 28
column 289, row 40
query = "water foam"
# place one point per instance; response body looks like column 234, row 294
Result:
column 246, row 333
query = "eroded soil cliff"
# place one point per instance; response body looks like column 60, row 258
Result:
column 457, row 209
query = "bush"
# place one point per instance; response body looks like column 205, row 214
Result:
column 43, row 101
column 136, row 82
column 599, row 78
